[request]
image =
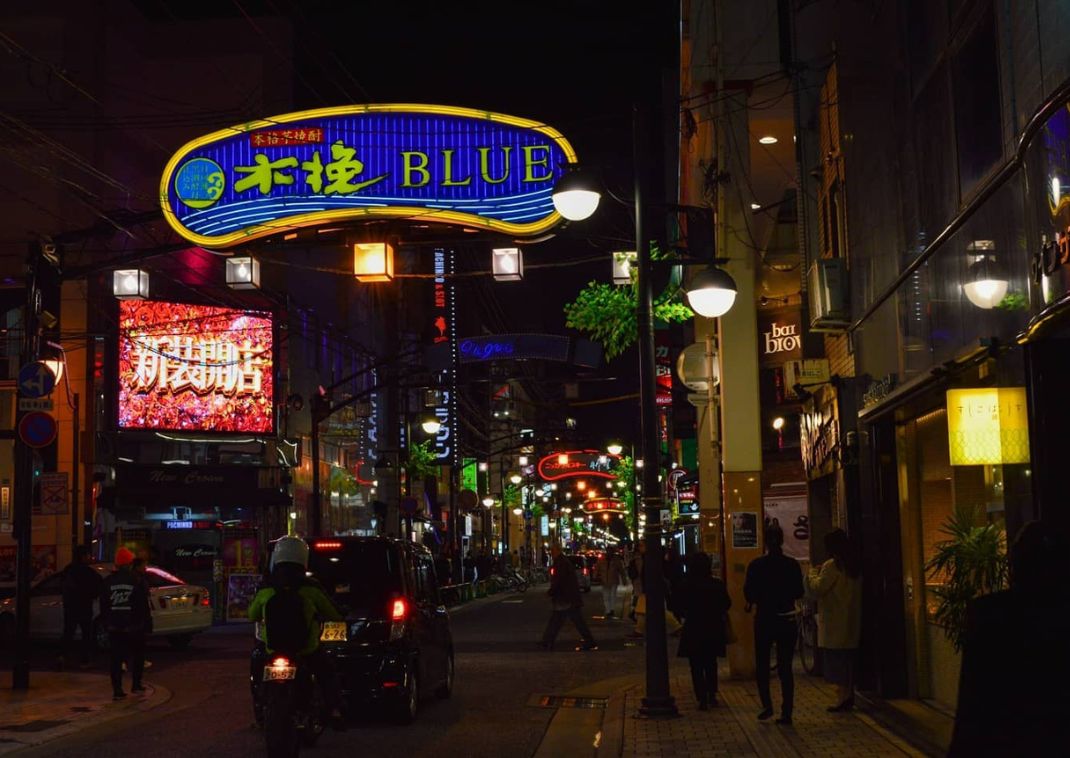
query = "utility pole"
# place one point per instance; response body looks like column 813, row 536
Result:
column 31, row 344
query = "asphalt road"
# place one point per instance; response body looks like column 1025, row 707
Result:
column 499, row 668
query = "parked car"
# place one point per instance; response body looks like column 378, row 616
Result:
column 584, row 569
column 179, row 610
column 396, row 646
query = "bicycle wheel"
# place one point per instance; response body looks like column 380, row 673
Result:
column 808, row 644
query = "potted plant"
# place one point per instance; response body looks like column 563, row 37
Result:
column 970, row 563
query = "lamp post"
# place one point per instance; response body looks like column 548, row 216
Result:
column 711, row 294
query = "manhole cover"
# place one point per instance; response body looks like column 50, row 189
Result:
column 561, row 701
column 32, row 726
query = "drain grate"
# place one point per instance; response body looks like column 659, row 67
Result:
column 32, row 726
column 561, row 701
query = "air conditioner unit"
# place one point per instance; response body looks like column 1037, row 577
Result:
column 829, row 304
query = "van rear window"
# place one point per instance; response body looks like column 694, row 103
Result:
column 361, row 577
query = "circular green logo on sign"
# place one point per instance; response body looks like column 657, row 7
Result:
column 200, row 183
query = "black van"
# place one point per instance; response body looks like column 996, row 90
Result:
column 398, row 647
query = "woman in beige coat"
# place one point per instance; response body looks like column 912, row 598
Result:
column 837, row 587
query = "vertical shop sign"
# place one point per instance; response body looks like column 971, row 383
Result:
column 791, row 514
column 663, row 367
column 444, row 323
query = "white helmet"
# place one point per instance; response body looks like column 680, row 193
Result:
column 290, row 550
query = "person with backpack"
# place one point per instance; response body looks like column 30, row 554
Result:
column 125, row 613
column 291, row 607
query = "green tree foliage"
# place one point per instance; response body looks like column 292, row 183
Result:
column 607, row 312
column 422, row 461
column 971, row 562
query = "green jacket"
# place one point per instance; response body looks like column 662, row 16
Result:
column 317, row 607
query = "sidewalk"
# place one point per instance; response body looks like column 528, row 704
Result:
column 732, row 728
column 60, row 703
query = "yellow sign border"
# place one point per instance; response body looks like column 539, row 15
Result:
column 293, row 223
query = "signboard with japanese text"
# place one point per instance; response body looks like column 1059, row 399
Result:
column 578, row 464
column 791, row 514
column 437, row 163
column 189, row 367
column 988, row 425
column 444, row 332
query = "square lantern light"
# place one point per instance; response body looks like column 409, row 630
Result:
column 507, row 264
column 622, row 266
column 243, row 273
column 373, row 261
column 130, row 284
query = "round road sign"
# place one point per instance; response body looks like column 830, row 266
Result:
column 37, row 429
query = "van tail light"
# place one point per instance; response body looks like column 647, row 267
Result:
column 399, row 612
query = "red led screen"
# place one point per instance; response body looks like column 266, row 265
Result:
column 195, row 368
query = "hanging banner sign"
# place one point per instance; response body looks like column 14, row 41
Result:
column 432, row 162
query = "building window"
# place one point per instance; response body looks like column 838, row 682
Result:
column 978, row 112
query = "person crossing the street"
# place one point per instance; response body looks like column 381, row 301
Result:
column 567, row 602
column 125, row 613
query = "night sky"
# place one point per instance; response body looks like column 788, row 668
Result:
column 570, row 64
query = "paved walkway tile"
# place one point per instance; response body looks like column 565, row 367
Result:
column 732, row 728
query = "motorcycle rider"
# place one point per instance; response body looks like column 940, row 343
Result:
column 288, row 587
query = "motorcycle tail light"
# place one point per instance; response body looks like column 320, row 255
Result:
column 280, row 662
column 399, row 610
column 206, row 601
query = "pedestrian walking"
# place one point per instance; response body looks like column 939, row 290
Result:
column 610, row 570
column 124, row 610
column 635, row 574
column 673, row 572
column 773, row 583
column 80, row 587
column 567, row 603
column 470, row 568
column 837, row 587
column 1013, row 696
column 703, row 604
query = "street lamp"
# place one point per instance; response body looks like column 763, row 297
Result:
column 431, row 425
column 711, row 293
column 615, row 448
column 516, row 478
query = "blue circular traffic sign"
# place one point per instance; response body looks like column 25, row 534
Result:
column 36, row 380
column 37, row 429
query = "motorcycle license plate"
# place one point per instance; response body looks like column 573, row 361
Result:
column 279, row 673
column 333, row 631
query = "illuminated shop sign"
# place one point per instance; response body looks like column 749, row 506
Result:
column 437, row 163
column 988, row 425
column 514, row 346
column 606, row 504
column 195, row 368
column 578, row 464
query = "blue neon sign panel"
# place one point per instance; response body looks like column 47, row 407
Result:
column 426, row 162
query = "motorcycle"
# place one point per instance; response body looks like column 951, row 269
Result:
column 288, row 702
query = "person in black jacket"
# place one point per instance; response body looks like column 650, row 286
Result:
column 125, row 613
column 703, row 602
column 774, row 582
column 1013, row 696
column 81, row 586
column 567, row 602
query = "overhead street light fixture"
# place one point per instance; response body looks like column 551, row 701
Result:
column 243, row 272
column 431, row 425
column 516, row 478
column 130, row 284
column 615, row 448
column 576, row 195
column 712, row 292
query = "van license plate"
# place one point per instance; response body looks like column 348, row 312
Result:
column 333, row 631
column 279, row 673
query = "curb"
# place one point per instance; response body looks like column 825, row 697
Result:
column 18, row 742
